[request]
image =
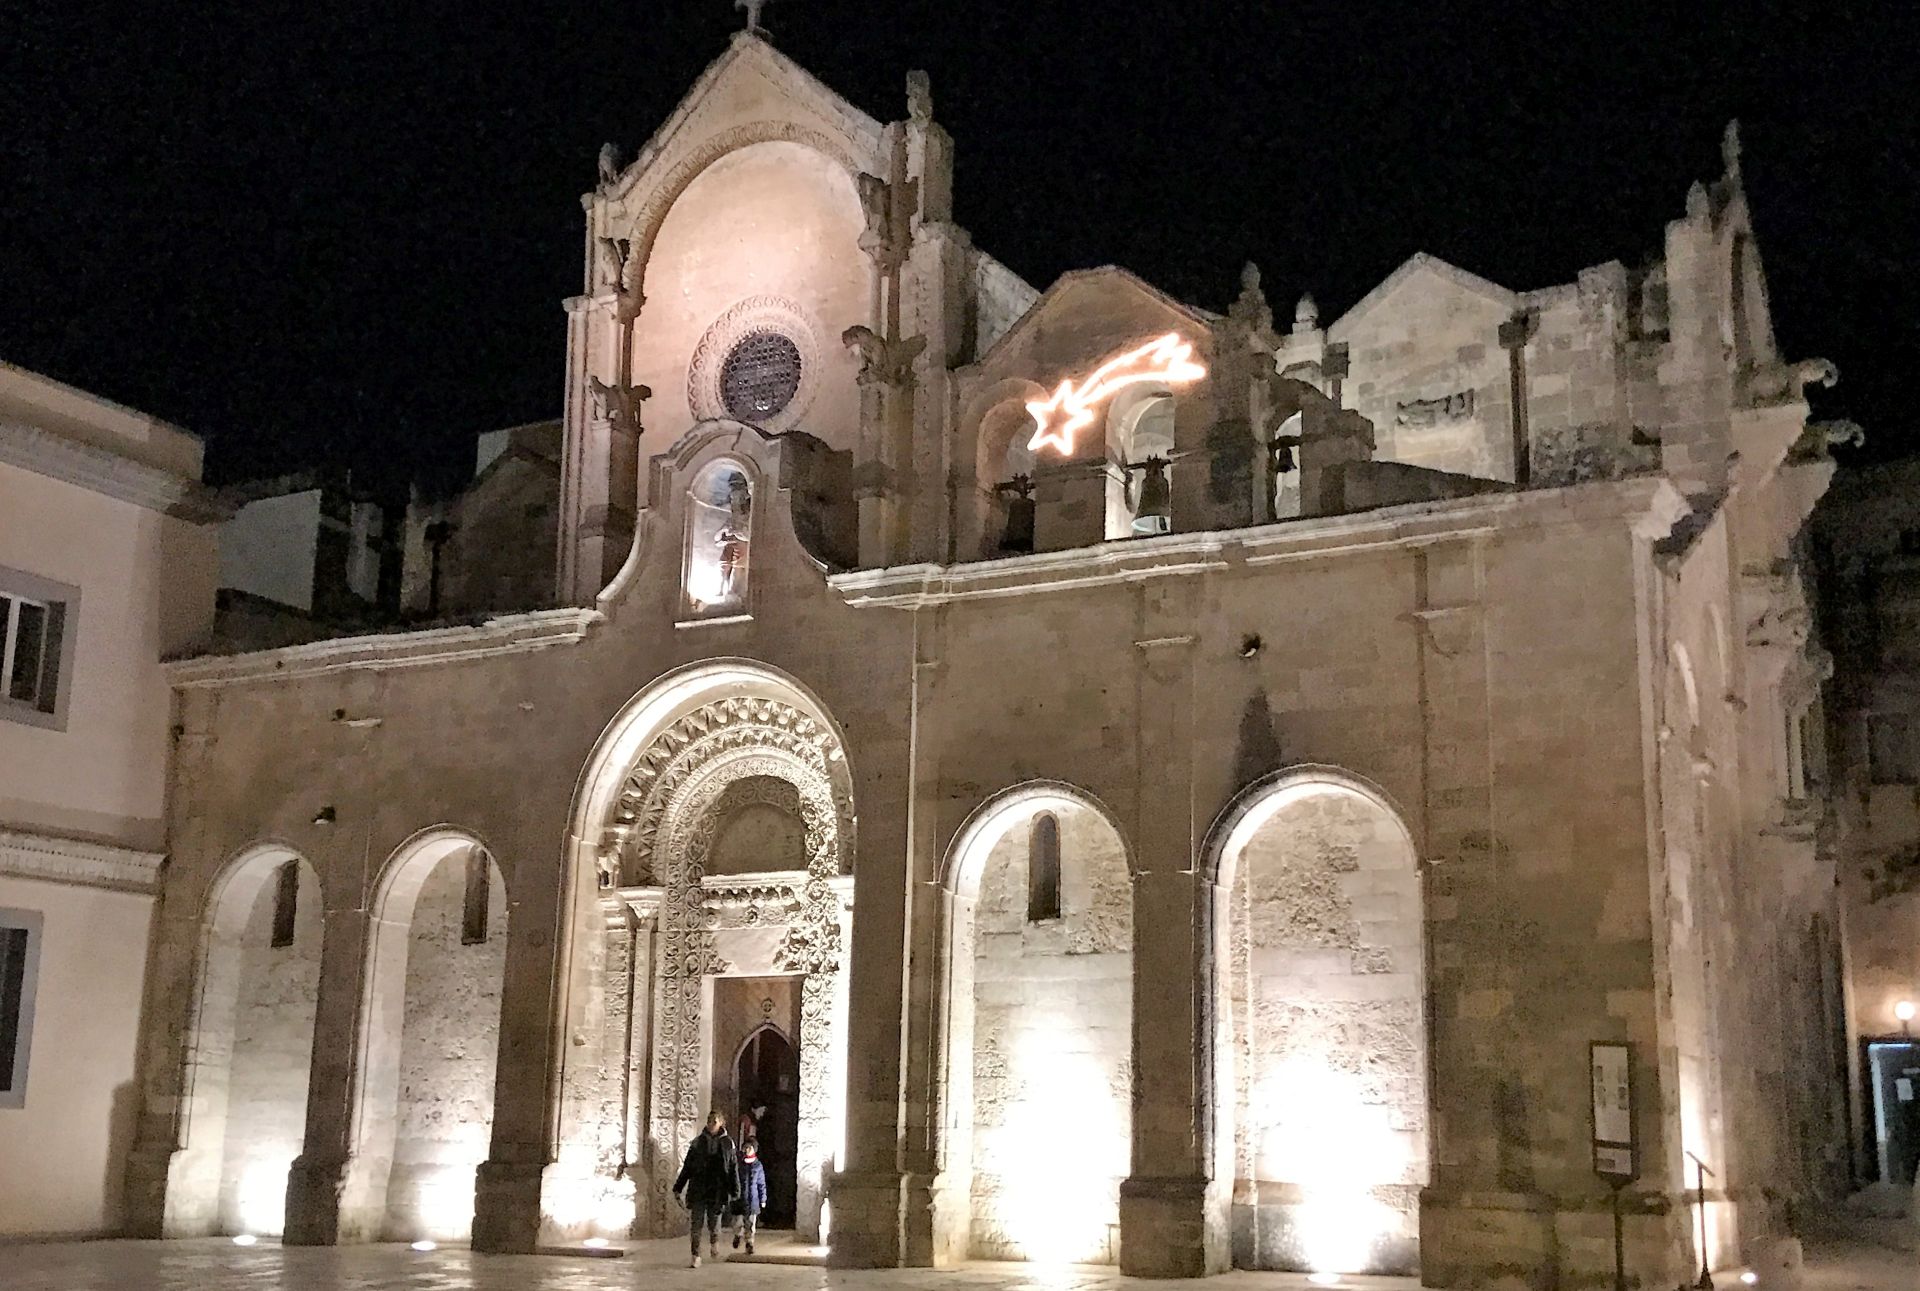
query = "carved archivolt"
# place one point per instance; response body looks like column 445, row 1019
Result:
column 667, row 814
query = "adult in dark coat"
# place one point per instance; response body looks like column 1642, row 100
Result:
column 710, row 1180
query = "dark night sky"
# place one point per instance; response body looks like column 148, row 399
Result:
column 341, row 232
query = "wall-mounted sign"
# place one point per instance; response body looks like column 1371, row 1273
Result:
column 1167, row 360
column 1614, row 1156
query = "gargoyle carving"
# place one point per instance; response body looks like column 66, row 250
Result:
column 882, row 362
column 619, row 404
column 1785, row 382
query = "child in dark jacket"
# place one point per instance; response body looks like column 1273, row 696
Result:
column 753, row 1193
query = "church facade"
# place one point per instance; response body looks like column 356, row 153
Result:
column 989, row 728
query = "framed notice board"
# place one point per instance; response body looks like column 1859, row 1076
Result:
column 1616, row 1156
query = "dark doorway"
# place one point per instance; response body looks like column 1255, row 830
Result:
column 766, row 1076
column 1893, row 1075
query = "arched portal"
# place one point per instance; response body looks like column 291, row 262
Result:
column 766, row 1088
column 250, row 1047
column 720, row 813
column 1320, row 1023
column 430, row 1035
column 1036, row 1123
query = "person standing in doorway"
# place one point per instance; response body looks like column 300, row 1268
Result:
column 753, row 1193
column 710, row 1180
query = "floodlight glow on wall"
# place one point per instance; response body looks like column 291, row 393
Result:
column 1167, row 360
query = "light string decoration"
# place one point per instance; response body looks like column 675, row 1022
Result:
column 1167, row 359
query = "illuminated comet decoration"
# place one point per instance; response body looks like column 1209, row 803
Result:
column 1168, row 360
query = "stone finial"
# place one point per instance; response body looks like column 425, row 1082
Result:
column 1250, row 306
column 1306, row 314
column 609, row 165
column 1730, row 150
column 919, row 98
column 1697, row 206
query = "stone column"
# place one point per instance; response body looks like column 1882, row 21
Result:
column 172, row 1190
column 881, row 1198
column 324, row 1172
column 541, row 1006
column 173, row 1172
column 1173, row 1214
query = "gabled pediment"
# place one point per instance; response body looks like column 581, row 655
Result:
column 1421, row 268
column 1087, row 312
column 751, row 85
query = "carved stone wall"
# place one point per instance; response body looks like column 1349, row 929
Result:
column 1328, row 1041
column 271, row 1047
column 448, row 1049
column 1052, row 1074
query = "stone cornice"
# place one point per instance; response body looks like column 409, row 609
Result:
column 508, row 634
column 33, row 448
column 1484, row 515
column 75, row 861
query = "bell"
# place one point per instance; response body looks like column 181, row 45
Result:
column 1017, row 538
column 1154, row 513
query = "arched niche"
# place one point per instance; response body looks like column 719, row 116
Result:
column 759, row 827
column 429, row 1040
column 717, row 547
column 1139, row 426
column 994, row 431
column 1323, row 1116
column 1036, row 1099
column 692, row 759
column 251, row 1045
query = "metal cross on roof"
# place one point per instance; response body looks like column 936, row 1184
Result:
column 753, row 8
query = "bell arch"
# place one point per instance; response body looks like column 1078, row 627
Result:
column 1322, row 1111
column 243, row 1083
column 1035, row 1033
column 667, row 926
column 426, row 1047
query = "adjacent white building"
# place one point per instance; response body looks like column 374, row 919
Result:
column 108, row 557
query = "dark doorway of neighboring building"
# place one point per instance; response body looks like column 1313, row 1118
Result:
column 766, row 1077
column 1893, row 1074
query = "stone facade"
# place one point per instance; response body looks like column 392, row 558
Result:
column 1384, row 777
column 1867, row 547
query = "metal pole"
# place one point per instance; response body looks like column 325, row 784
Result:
column 1619, row 1242
column 1705, row 1281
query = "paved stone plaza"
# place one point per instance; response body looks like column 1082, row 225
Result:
column 216, row 1265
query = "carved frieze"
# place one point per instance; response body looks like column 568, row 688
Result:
column 1425, row 414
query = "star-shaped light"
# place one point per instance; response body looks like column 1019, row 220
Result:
column 1167, row 359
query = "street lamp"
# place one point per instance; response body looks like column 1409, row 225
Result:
column 1904, row 1011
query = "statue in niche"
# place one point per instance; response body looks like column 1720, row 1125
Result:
column 732, row 539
